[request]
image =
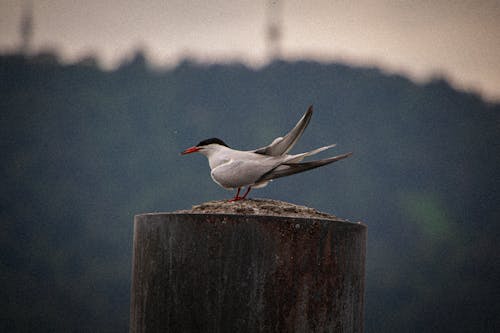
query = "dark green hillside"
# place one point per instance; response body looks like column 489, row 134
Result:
column 83, row 150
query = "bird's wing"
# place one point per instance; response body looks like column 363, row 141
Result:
column 282, row 145
column 287, row 169
column 245, row 170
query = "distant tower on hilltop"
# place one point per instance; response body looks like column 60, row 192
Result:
column 273, row 29
column 26, row 27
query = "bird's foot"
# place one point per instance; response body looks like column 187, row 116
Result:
column 237, row 196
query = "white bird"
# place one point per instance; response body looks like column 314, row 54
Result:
column 234, row 169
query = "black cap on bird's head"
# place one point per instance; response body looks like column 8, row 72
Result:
column 204, row 143
column 210, row 141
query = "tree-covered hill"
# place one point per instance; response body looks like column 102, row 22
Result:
column 83, row 150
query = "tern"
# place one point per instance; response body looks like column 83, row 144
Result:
column 235, row 169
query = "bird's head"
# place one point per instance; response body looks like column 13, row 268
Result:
column 206, row 146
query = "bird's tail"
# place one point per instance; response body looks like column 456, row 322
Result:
column 287, row 169
column 299, row 157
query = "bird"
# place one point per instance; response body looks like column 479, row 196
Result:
column 236, row 169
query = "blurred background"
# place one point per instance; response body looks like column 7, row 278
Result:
column 98, row 98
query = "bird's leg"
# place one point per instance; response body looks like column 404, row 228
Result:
column 236, row 197
column 246, row 193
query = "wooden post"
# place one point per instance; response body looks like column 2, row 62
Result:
column 246, row 273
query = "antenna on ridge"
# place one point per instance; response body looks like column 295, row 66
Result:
column 273, row 29
column 26, row 27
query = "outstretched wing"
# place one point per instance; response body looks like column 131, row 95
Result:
column 282, row 145
column 288, row 169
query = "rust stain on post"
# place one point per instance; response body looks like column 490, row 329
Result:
column 247, row 273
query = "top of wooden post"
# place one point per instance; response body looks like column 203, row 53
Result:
column 263, row 207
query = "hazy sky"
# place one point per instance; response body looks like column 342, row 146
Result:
column 458, row 39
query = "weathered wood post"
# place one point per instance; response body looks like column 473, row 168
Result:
column 224, row 267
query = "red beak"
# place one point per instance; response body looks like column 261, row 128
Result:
column 190, row 150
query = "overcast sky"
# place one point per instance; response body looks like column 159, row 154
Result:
column 458, row 39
